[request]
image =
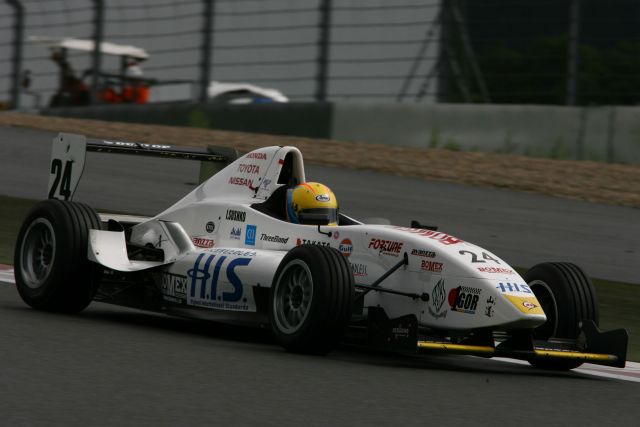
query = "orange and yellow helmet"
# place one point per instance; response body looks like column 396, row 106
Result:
column 312, row 203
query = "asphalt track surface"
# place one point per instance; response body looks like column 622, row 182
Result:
column 116, row 366
column 522, row 228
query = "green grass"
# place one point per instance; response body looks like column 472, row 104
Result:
column 618, row 302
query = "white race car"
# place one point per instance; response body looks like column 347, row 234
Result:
column 226, row 252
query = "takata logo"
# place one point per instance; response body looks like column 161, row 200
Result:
column 388, row 247
column 300, row 241
column 346, row 247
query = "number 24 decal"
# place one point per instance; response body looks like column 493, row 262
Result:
column 474, row 257
column 62, row 178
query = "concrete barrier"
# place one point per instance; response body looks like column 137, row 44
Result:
column 299, row 119
column 609, row 134
column 593, row 133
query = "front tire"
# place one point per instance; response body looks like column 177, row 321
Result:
column 50, row 259
column 311, row 299
column 567, row 297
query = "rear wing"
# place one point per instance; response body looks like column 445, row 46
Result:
column 68, row 154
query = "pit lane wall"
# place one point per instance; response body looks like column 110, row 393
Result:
column 608, row 134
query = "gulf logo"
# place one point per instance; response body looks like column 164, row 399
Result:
column 346, row 247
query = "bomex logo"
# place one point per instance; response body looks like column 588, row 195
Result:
column 250, row 235
column 206, row 281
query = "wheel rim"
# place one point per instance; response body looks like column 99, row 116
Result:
column 38, row 253
column 544, row 294
column 293, row 296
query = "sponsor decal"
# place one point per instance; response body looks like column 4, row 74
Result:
column 274, row 239
column 136, row 144
column 346, row 247
column 248, row 168
column 257, row 155
column 300, row 241
column 203, row 242
column 210, row 227
column 250, row 235
column 237, row 180
column 174, row 287
column 359, row 270
column 443, row 238
column 514, row 287
column 423, row 253
column 235, row 233
column 236, row 252
column 336, row 235
column 233, row 215
column 265, row 183
column 527, row 305
column 489, row 309
column 498, row 270
column 387, row 247
column 205, row 278
column 434, row 266
column 464, row 299
column 400, row 332
column 323, row 198
column 438, row 297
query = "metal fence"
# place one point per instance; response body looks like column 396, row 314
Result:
column 575, row 52
column 309, row 49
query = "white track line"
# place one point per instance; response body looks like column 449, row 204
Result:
column 6, row 276
column 630, row 373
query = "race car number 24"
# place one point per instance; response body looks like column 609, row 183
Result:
column 475, row 259
column 62, row 179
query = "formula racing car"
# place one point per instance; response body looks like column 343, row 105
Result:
column 234, row 251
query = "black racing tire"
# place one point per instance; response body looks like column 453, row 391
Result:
column 311, row 299
column 50, row 259
column 567, row 297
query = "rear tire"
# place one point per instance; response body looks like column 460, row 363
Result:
column 311, row 299
column 567, row 296
column 50, row 259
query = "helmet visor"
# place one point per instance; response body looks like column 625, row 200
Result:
column 318, row 216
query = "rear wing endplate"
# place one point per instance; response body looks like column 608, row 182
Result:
column 68, row 154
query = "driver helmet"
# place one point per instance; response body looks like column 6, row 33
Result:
column 312, row 203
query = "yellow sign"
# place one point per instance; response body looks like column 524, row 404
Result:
column 528, row 305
